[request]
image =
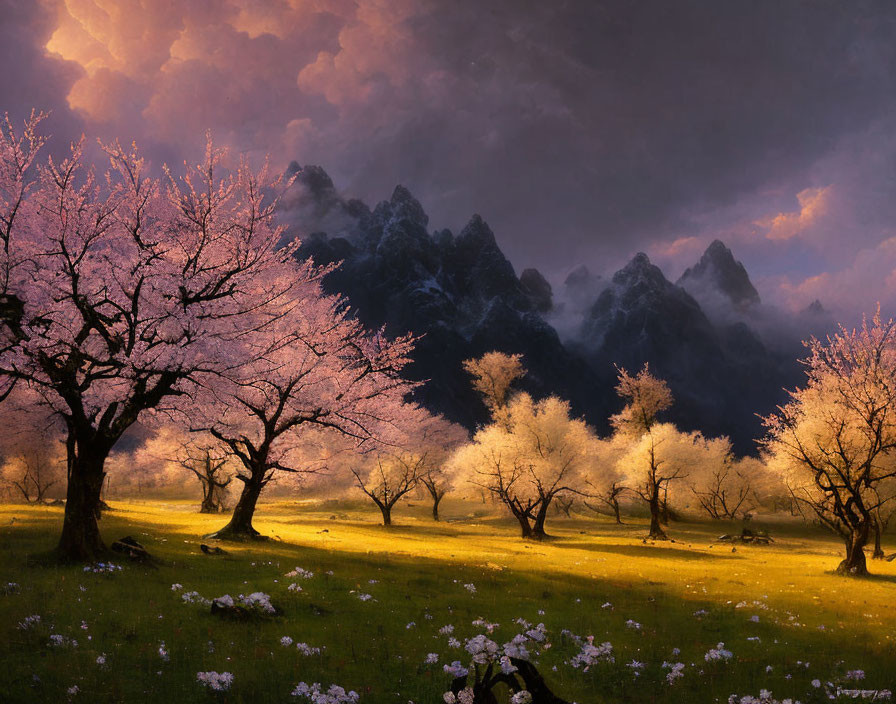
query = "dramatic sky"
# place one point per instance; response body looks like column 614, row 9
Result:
column 581, row 131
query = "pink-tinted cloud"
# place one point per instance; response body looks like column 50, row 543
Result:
column 813, row 206
column 582, row 131
column 869, row 279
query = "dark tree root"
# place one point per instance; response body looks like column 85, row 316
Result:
column 237, row 536
column 212, row 549
column 129, row 547
column 62, row 556
column 847, row 570
column 525, row 678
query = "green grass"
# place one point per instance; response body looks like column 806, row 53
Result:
column 805, row 612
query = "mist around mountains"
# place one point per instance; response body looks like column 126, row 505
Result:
column 725, row 354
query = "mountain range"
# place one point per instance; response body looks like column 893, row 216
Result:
column 725, row 355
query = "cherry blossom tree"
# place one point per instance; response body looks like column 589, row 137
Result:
column 438, row 438
column 414, row 451
column 884, row 510
column 834, row 442
column 35, row 464
column 316, row 367
column 535, row 453
column 209, row 465
column 611, row 497
column 32, row 449
column 390, row 476
column 123, row 293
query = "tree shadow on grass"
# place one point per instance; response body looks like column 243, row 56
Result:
column 872, row 577
column 656, row 552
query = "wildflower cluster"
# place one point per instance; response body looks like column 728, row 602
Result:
column 29, row 622
column 334, row 694
column 306, row 649
column 257, row 602
column 103, row 568
column 195, row 598
column 60, row 641
column 675, row 670
column 718, row 654
column 591, row 654
column 216, row 681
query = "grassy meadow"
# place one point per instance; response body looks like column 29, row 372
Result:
column 783, row 616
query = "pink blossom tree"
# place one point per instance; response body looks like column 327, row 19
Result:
column 209, row 465
column 122, row 294
column 32, row 454
column 316, row 368
column 414, row 451
column 438, row 439
column 834, row 442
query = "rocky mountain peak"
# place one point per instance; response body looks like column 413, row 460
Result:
column 314, row 178
column 404, row 205
column 815, row 308
column 640, row 272
column 719, row 272
column 477, row 234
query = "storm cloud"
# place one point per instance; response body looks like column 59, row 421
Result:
column 582, row 131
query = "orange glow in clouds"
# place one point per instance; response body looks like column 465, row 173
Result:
column 814, row 204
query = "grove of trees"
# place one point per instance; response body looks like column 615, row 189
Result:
column 124, row 297
column 162, row 322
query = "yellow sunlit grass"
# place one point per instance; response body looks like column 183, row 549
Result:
column 795, row 572
column 776, row 607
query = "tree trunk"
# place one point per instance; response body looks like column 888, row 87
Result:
column 656, row 530
column 525, row 528
column 240, row 525
column 436, row 495
column 80, row 540
column 878, row 553
column 615, row 505
column 386, row 510
column 854, row 563
column 540, row 518
column 665, row 513
column 209, row 504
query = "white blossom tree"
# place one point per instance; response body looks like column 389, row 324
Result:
column 533, row 454
column 724, row 486
column 493, row 376
column 645, row 398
